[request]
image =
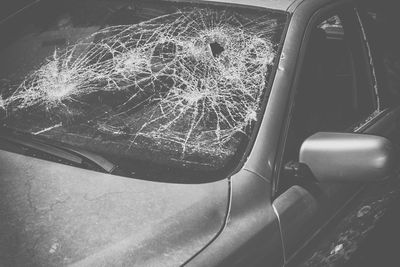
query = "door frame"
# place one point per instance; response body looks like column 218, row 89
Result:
column 351, row 191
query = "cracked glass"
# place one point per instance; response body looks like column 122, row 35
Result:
column 175, row 85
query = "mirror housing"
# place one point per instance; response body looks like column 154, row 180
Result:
column 348, row 157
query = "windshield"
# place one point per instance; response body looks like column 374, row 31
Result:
column 163, row 83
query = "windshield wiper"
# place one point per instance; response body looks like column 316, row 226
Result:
column 98, row 160
column 72, row 155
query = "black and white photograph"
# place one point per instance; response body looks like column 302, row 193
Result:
column 200, row 133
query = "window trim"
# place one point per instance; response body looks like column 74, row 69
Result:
column 370, row 57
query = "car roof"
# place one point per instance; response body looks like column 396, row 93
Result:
column 282, row 5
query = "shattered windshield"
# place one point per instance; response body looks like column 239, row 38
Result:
column 165, row 83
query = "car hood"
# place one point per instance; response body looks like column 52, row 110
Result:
column 52, row 214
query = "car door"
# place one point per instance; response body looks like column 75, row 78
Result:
column 337, row 91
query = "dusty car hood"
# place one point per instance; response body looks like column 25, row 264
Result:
column 52, row 214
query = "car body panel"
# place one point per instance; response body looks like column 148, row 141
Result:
column 53, row 215
column 251, row 236
column 287, row 206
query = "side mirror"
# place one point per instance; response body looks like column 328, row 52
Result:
column 348, row 157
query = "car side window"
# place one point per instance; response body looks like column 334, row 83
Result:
column 335, row 91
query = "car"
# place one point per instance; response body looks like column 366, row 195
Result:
column 196, row 133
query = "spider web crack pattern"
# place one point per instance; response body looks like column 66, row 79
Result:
column 176, row 87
